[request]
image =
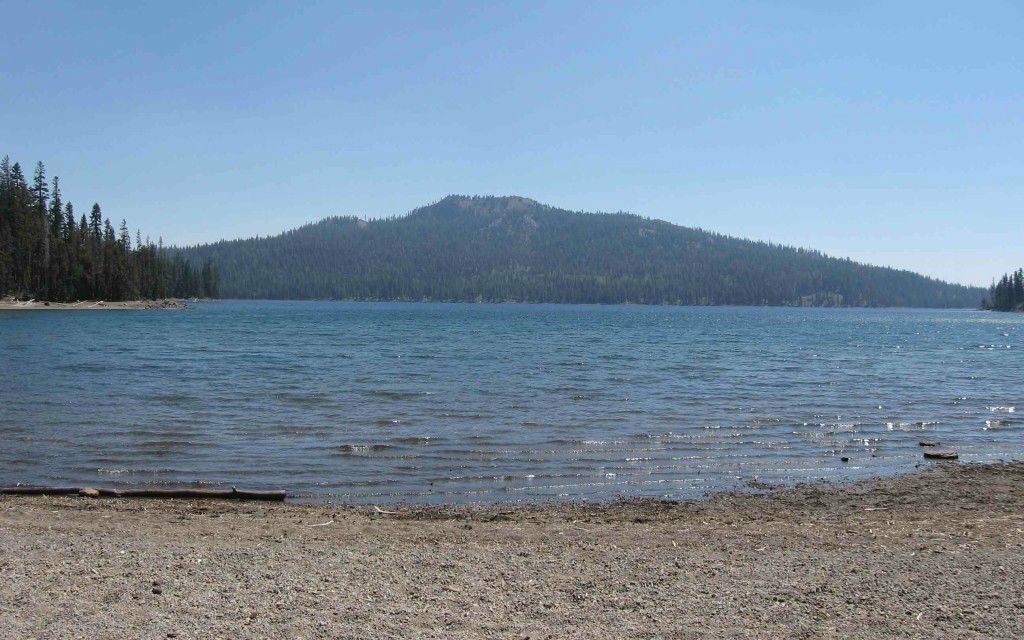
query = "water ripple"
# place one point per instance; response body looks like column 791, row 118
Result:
column 434, row 402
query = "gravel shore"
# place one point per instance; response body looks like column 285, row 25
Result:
column 935, row 554
column 10, row 304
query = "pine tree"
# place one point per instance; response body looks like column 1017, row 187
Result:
column 96, row 221
column 56, row 210
column 5, row 175
column 7, row 246
column 40, row 270
column 124, row 237
column 96, row 251
column 40, row 189
column 69, row 221
column 58, row 259
column 17, row 178
column 1018, row 289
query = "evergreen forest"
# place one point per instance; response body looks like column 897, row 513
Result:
column 512, row 249
column 1008, row 293
column 49, row 252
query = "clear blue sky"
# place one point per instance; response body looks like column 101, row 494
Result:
column 890, row 132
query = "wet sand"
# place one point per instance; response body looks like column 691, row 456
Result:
column 935, row 554
column 9, row 304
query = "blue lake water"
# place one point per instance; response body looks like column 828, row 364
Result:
column 451, row 402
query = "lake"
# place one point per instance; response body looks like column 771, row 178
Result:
column 415, row 402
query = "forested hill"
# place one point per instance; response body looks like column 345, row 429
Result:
column 515, row 249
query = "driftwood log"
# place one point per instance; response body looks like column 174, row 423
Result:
column 941, row 455
column 186, row 494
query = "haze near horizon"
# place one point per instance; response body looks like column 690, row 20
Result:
column 880, row 133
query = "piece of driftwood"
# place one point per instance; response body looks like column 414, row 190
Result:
column 187, row 494
column 941, row 455
column 40, row 491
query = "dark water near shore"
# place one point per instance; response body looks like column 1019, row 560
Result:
column 436, row 402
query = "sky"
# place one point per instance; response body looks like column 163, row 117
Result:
column 887, row 132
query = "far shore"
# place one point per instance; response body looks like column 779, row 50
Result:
column 10, row 304
column 934, row 554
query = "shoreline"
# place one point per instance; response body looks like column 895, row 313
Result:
column 935, row 553
column 590, row 304
column 460, row 508
column 9, row 304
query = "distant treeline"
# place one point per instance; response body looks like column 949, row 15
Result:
column 45, row 253
column 504, row 249
column 1008, row 293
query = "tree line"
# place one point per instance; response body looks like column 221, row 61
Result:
column 512, row 249
column 48, row 254
column 1007, row 294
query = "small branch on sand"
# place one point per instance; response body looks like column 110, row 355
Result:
column 186, row 494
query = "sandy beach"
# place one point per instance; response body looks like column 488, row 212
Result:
column 935, row 554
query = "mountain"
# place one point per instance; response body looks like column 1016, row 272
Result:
column 515, row 249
